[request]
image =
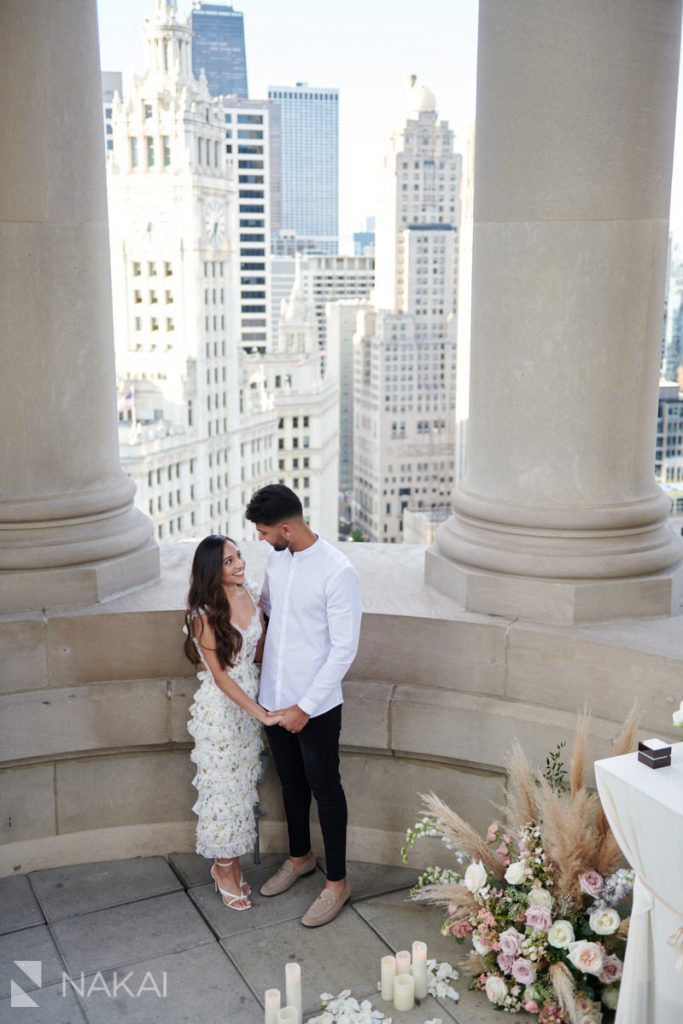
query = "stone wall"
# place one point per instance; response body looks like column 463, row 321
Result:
column 94, row 704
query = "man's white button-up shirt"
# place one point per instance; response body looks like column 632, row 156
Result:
column 313, row 600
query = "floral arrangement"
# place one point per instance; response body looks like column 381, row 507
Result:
column 677, row 716
column 345, row 1009
column 543, row 898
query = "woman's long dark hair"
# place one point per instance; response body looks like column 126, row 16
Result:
column 206, row 594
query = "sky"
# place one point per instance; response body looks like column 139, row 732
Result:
column 366, row 49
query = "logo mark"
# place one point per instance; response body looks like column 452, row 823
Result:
column 33, row 969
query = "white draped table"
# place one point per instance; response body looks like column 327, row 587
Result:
column 644, row 807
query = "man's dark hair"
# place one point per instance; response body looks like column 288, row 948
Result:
column 273, row 503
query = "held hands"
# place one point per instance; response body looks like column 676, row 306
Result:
column 293, row 719
column 271, row 718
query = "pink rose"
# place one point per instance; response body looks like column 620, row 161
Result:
column 523, row 971
column 505, row 963
column 592, row 883
column 492, row 833
column 502, row 854
column 461, row 929
column 531, row 1006
column 538, row 918
column 612, row 968
column 587, row 957
column 510, row 942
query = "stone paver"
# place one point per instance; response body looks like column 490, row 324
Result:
column 344, row 955
column 130, row 933
column 54, row 1005
column 200, row 985
column 83, row 888
column 30, row 944
column 19, row 907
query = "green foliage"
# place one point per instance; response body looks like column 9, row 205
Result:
column 555, row 772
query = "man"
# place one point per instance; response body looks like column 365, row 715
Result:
column 311, row 593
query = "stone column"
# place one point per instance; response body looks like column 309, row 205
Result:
column 69, row 534
column 558, row 516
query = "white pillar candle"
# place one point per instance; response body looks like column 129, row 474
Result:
column 420, row 969
column 388, row 976
column 404, row 992
column 272, row 1001
column 293, row 989
column 403, row 962
column 288, row 1015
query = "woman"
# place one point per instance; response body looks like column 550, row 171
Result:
column 225, row 633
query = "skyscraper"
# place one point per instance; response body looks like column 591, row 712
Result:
column 247, row 156
column 218, row 47
column 310, row 164
column 404, row 372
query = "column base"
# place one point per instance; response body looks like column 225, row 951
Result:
column 566, row 601
column 73, row 586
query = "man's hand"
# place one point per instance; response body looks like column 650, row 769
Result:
column 293, row 719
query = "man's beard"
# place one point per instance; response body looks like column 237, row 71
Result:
column 280, row 545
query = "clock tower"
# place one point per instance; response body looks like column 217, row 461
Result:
column 175, row 267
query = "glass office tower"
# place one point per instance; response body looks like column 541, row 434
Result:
column 218, row 47
column 309, row 186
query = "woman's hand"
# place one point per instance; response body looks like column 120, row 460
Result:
column 271, row 718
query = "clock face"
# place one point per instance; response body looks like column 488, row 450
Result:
column 214, row 223
column 150, row 224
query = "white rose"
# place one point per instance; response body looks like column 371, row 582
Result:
column 604, row 922
column 516, row 873
column 610, row 997
column 496, row 989
column 530, row 994
column 540, row 898
column 587, row 957
column 678, row 715
column 475, row 877
column 478, row 945
column 560, row 934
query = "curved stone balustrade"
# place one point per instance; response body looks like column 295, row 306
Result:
column 94, row 705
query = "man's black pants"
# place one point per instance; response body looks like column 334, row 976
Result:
column 308, row 762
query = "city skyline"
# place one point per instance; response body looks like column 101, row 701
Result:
column 372, row 80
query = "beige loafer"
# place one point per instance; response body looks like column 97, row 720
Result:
column 286, row 875
column 326, row 907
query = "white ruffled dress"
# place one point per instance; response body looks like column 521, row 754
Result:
column 228, row 742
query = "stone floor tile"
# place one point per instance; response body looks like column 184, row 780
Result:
column 399, row 921
column 343, row 954
column 83, row 888
column 54, row 1005
column 20, row 909
column 201, row 985
column 375, row 879
column 267, row 910
column 195, row 870
column 124, row 935
column 29, row 944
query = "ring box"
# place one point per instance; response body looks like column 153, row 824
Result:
column 654, row 753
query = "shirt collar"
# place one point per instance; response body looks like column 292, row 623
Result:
column 315, row 546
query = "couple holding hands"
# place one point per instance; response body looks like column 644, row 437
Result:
column 273, row 656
